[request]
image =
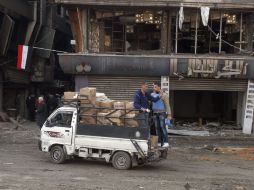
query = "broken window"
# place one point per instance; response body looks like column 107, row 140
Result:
column 125, row 31
column 225, row 33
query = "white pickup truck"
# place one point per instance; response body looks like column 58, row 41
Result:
column 64, row 137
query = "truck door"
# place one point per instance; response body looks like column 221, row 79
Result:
column 60, row 127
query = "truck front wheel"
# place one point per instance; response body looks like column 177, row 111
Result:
column 121, row 161
column 57, row 155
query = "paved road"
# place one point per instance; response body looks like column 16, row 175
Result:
column 23, row 166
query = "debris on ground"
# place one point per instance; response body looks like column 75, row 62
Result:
column 213, row 124
column 25, row 133
column 245, row 153
column 16, row 123
column 4, row 117
column 188, row 132
column 211, row 147
column 187, row 186
column 214, row 128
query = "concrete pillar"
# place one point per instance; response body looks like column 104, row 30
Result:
column 249, row 31
column 164, row 32
column 171, row 102
column 240, row 109
column 81, row 81
column 169, row 39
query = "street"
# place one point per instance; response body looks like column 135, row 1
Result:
column 189, row 166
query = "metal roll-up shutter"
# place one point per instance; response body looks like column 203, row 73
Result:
column 119, row 88
column 208, row 84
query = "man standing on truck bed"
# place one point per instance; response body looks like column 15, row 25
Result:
column 141, row 102
column 161, row 111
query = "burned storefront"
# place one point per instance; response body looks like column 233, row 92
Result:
column 203, row 49
column 40, row 27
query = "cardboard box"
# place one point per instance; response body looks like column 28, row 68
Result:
column 106, row 104
column 70, row 95
column 102, row 120
column 87, row 120
column 154, row 141
column 117, row 121
column 88, row 95
column 85, row 101
column 129, row 105
column 131, row 122
column 119, row 105
column 88, row 111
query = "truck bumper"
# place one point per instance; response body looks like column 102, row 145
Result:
column 157, row 154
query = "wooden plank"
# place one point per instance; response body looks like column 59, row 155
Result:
column 84, row 28
column 75, row 21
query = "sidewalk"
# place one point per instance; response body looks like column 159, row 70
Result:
column 27, row 134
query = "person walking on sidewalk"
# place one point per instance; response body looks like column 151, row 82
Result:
column 41, row 112
column 161, row 111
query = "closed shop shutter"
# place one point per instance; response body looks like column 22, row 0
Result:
column 119, row 88
column 124, row 88
column 208, row 84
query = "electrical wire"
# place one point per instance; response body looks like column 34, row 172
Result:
column 224, row 41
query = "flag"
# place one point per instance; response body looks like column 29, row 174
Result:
column 24, row 57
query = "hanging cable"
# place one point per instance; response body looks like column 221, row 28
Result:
column 224, row 41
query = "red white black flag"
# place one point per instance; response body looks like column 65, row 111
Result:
column 24, row 57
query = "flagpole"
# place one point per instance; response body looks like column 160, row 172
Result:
column 49, row 49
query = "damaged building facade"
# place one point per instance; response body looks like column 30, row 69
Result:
column 36, row 24
column 202, row 52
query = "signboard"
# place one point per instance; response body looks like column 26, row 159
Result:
column 209, row 68
column 165, row 84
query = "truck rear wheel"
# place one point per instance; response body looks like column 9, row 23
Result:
column 57, row 155
column 121, row 161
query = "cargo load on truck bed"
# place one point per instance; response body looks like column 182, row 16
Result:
column 96, row 108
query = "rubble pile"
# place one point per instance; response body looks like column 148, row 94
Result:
column 97, row 108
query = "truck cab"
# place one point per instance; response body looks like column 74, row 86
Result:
column 63, row 136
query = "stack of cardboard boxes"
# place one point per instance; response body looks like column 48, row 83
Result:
column 96, row 108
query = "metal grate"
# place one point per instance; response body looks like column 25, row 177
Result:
column 119, row 88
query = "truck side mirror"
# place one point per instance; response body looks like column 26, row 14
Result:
column 48, row 123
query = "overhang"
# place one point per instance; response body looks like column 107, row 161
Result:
column 163, row 3
column 157, row 65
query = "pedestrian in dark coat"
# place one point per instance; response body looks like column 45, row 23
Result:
column 31, row 106
column 41, row 113
column 52, row 103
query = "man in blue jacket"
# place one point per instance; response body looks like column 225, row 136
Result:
column 161, row 111
column 141, row 102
